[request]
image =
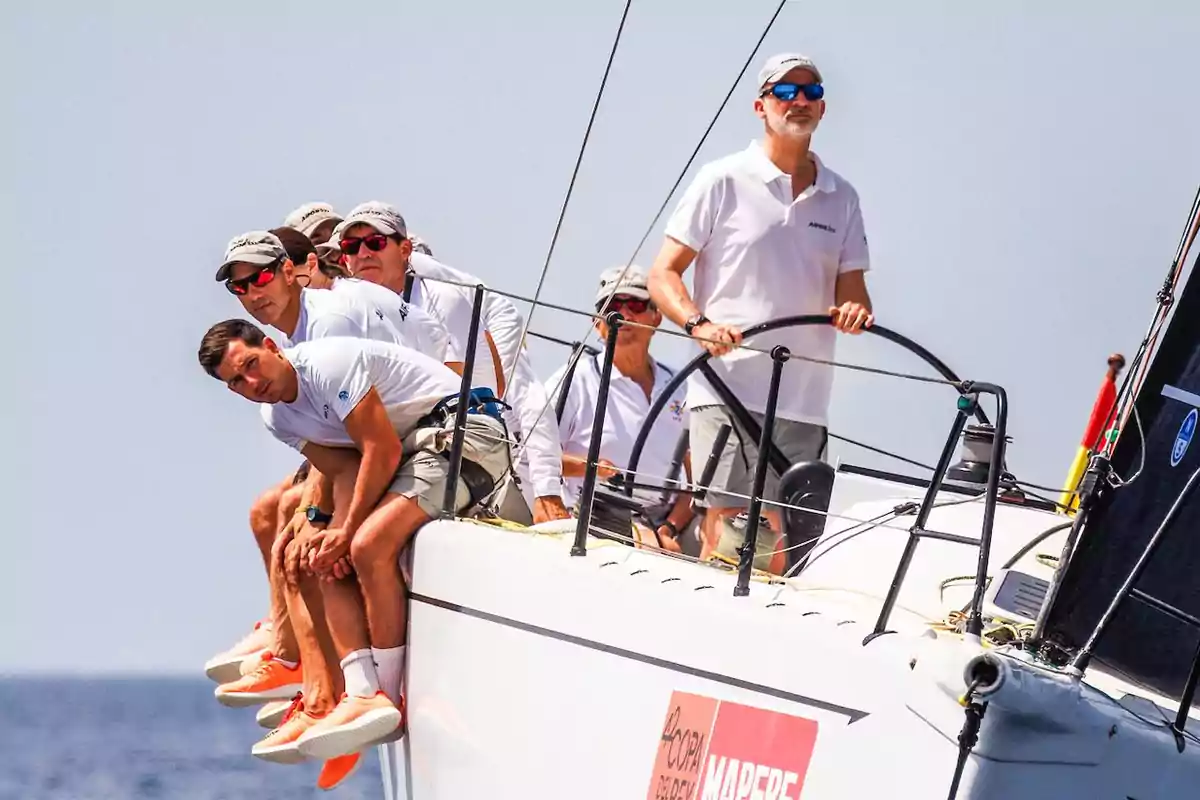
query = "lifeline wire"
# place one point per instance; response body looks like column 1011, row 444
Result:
column 683, row 173
column 673, row 483
column 958, row 385
column 571, row 186
column 1024, row 485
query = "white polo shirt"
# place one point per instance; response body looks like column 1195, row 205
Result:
column 415, row 327
column 334, row 374
column 626, row 412
column 540, row 466
column 452, row 306
column 763, row 255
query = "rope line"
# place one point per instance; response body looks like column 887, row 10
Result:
column 682, row 174
column 571, row 186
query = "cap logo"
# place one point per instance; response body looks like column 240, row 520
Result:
column 246, row 240
column 314, row 211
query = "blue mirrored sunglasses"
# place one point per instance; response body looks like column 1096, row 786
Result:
column 789, row 91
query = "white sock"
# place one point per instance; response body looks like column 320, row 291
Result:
column 389, row 664
column 359, row 671
column 288, row 664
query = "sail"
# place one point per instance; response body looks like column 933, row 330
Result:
column 1144, row 644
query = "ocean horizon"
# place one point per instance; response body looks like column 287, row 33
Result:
column 144, row 737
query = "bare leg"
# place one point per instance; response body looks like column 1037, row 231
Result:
column 711, row 526
column 370, row 709
column 375, row 553
column 284, row 644
column 344, row 609
column 314, row 601
column 306, row 613
column 264, row 520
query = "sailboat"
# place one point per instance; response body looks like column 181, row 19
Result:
column 952, row 636
column 956, row 635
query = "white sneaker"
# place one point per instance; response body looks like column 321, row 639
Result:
column 355, row 723
column 271, row 715
column 226, row 666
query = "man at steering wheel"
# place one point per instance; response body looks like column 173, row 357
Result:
column 773, row 232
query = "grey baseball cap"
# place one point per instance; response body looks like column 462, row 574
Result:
column 307, row 217
column 781, row 64
column 633, row 284
column 379, row 215
column 420, row 246
column 255, row 247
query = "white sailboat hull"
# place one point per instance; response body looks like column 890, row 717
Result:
column 534, row 674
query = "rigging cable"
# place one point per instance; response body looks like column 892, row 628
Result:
column 570, row 187
column 683, row 173
column 1132, row 384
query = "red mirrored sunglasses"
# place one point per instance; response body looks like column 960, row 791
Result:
column 635, row 305
column 375, row 242
column 259, row 278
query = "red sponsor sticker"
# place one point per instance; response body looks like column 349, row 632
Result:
column 681, row 747
column 755, row 754
column 717, row 750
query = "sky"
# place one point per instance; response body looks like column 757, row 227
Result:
column 1024, row 173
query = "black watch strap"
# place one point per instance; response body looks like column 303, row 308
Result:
column 693, row 322
column 317, row 516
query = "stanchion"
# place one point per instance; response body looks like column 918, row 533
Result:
column 449, row 506
column 779, row 357
column 588, row 493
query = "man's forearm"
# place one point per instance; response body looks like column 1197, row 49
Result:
column 318, row 491
column 670, row 294
column 573, row 466
column 851, row 287
column 681, row 511
column 375, row 473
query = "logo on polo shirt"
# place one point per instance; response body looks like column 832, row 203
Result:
column 821, row 226
column 676, row 409
column 379, row 313
column 404, row 311
column 343, row 395
column 327, row 411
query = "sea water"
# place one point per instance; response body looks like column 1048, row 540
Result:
column 145, row 739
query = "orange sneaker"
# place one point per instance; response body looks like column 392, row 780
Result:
column 279, row 746
column 336, row 770
column 355, row 723
column 270, row 680
column 225, row 666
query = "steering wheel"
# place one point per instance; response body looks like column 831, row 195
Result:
column 776, row 458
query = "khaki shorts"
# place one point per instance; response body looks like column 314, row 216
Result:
column 423, row 470
column 798, row 441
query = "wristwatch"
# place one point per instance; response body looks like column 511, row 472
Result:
column 317, row 517
column 693, row 322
